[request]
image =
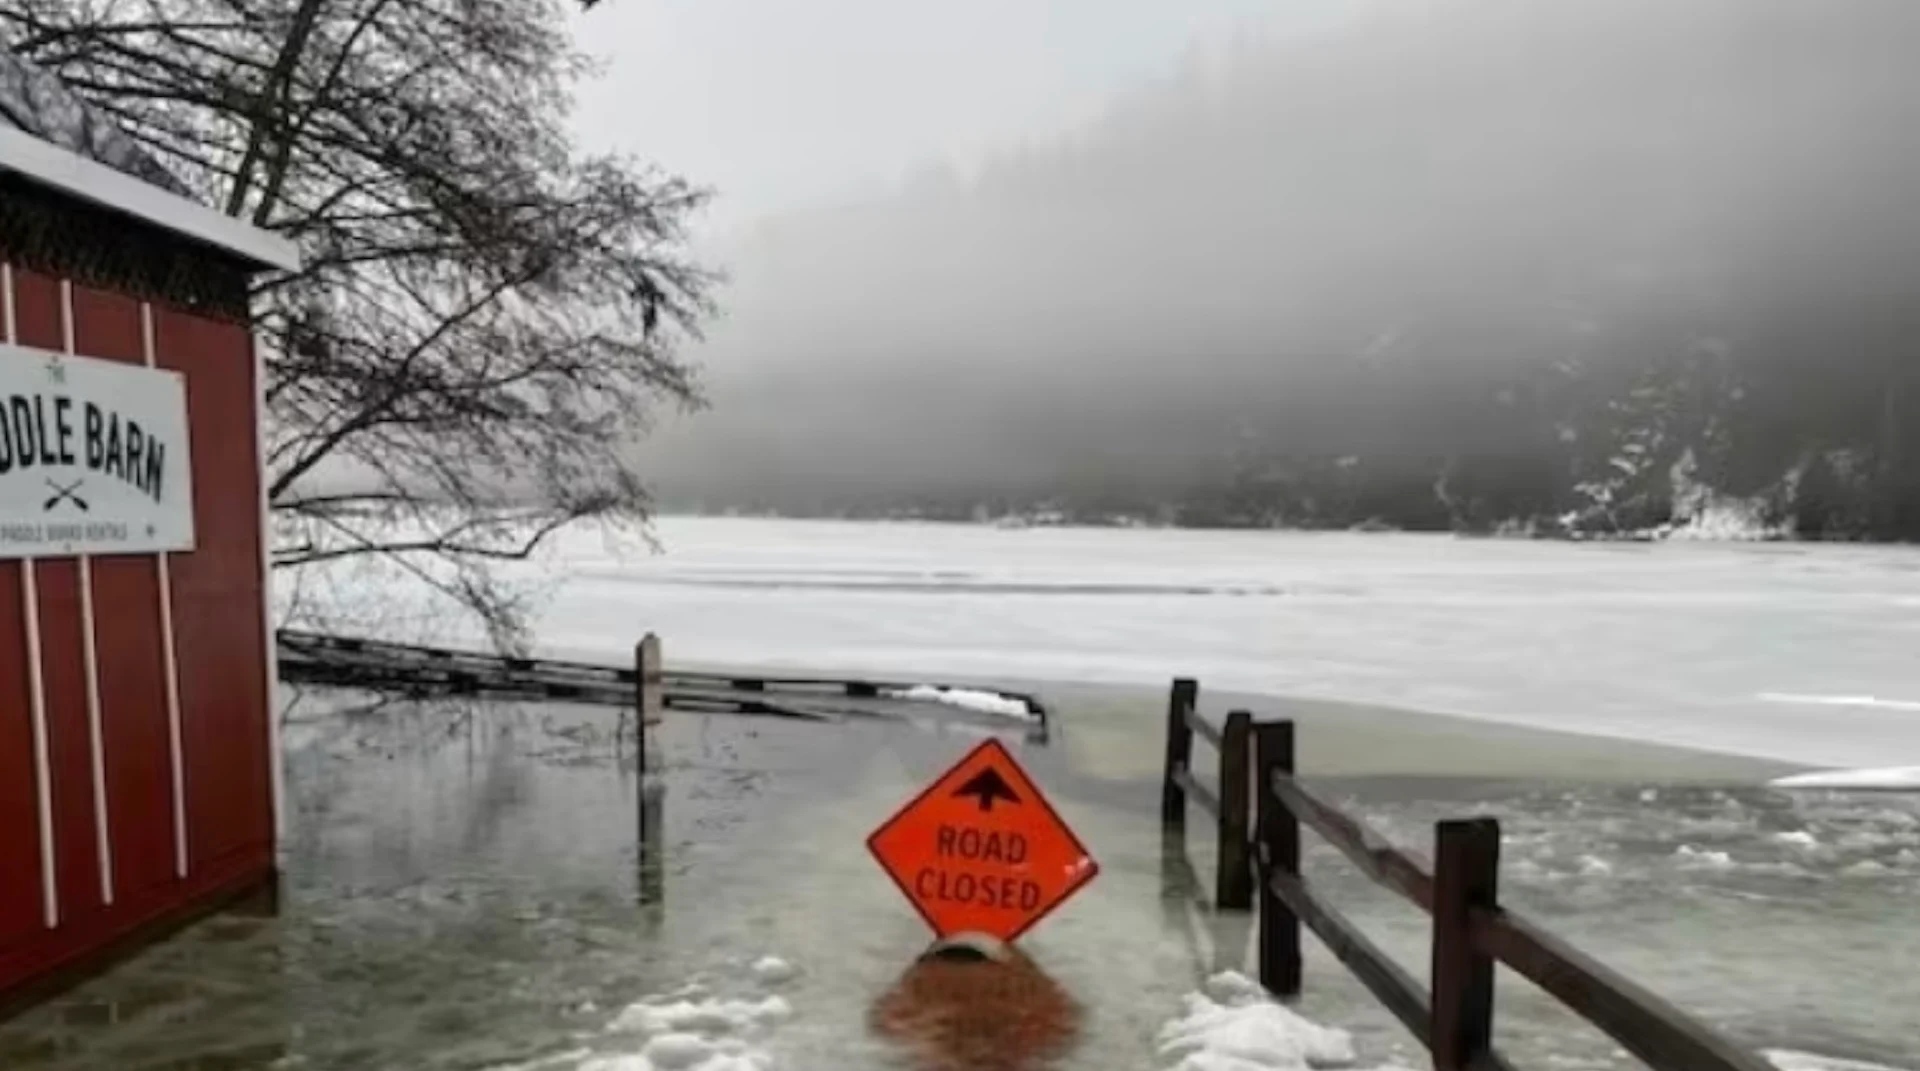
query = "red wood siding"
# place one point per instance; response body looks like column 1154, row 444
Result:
column 217, row 610
column 36, row 302
column 219, row 631
column 132, row 677
column 20, row 874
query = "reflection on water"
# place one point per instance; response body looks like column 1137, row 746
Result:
column 165, row 1011
column 964, row 1008
column 1216, row 940
column 652, row 882
column 460, row 881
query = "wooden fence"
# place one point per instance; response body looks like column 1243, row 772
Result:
column 360, row 661
column 1260, row 808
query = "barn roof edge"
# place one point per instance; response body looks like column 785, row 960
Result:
column 48, row 164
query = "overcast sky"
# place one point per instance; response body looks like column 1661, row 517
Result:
column 778, row 103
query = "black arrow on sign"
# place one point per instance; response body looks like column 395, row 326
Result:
column 988, row 785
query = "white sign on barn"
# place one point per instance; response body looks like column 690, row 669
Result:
column 93, row 457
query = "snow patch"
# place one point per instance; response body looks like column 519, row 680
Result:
column 689, row 1029
column 1593, row 866
column 1798, row 839
column 701, row 1016
column 1233, row 1025
column 1725, row 520
column 1881, row 779
column 968, row 698
column 1702, row 513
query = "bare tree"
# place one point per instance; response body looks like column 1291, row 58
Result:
column 486, row 316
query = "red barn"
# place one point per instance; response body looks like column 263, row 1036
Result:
column 138, row 782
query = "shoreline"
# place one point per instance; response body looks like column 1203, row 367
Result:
column 1511, row 532
column 1118, row 729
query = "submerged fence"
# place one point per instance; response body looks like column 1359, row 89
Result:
column 1259, row 809
column 420, row 670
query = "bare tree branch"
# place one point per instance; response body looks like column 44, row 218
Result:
column 486, row 319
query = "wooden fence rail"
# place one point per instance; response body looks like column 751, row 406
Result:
column 1459, row 890
column 325, row 658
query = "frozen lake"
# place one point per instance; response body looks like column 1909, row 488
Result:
column 1794, row 652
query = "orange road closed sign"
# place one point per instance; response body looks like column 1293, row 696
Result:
column 981, row 850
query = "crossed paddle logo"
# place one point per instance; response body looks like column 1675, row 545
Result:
column 67, row 493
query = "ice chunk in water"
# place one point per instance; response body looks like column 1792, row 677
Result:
column 1792, row 1060
column 772, row 970
column 970, row 699
column 1884, row 779
column 1702, row 858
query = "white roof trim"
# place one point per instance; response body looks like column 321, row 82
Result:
column 51, row 165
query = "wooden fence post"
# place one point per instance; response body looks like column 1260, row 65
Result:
column 1173, row 800
column 1279, row 830
column 1233, row 881
column 1466, row 875
column 649, row 691
column 648, row 702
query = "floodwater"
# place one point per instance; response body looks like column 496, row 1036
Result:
column 1781, row 919
column 463, row 890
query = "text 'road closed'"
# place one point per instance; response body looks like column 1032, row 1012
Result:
column 981, row 850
